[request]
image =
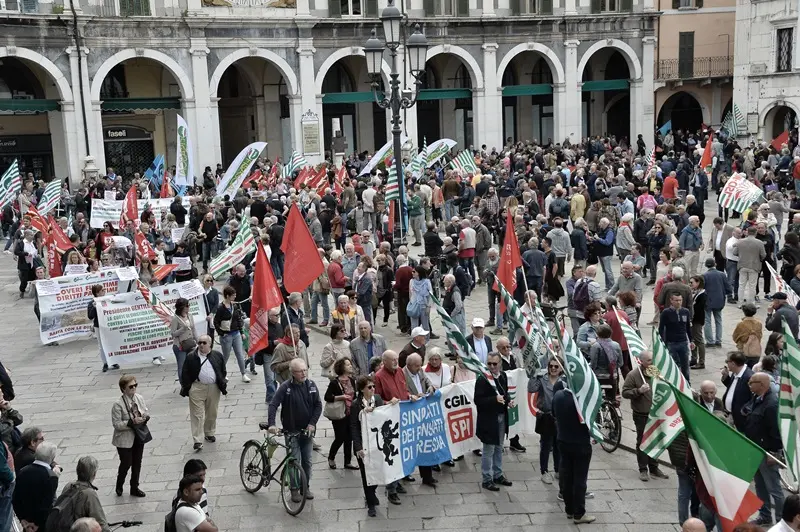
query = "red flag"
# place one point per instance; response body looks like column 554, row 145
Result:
column 130, row 210
column 252, row 178
column 301, row 177
column 705, row 160
column 780, row 140
column 266, row 295
column 166, row 189
column 302, row 263
column 163, row 312
column 391, row 218
column 341, row 175
column 272, row 180
column 143, row 246
column 510, row 260
column 37, row 221
column 60, row 238
column 53, row 256
column 160, row 271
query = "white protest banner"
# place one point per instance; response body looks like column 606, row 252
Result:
column 121, row 242
column 110, row 195
column 184, row 164
column 127, row 274
column 109, row 211
column 74, row 269
column 386, row 152
column 131, row 332
column 398, row 438
column 438, row 149
column 239, row 169
column 177, row 234
column 63, row 303
column 184, row 263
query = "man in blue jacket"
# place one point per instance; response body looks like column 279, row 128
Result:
column 717, row 286
column 691, row 243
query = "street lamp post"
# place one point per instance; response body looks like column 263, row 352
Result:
column 397, row 99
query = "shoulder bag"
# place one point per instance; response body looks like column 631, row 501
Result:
column 141, row 432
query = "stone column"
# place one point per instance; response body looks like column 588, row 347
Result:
column 647, row 100
column 199, row 111
column 638, row 101
column 491, row 121
column 568, row 99
column 216, row 138
column 73, row 118
column 311, row 102
column 96, row 136
column 84, row 101
column 295, row 112
column 73, row 142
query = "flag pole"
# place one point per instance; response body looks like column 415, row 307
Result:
column 289, row 322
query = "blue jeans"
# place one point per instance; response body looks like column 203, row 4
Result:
column 679, row 351
column 768, row 489
column 180, row 357
column 605, row 263
column 685, row 490
column 732, row 269
column 710, row 518
column 492, row 459
column 468, row 264
column 6, row 515
column 717, row 314
column 300, row 448
column 269, row 378
column 233, row 340
column 423, row 321
column 320, row 299
column 449, row 210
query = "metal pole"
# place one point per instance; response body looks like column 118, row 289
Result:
column 395, row 103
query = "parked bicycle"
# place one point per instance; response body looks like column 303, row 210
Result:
column 255, row 469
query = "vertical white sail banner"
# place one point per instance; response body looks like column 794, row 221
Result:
column 240, row 169
column 184, row 165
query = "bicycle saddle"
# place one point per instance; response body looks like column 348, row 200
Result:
column 263, row 425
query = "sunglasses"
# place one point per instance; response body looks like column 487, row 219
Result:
column 132, row 386
column 554, row 367
column 203, row 342
column 371, row 386
column 492, row 363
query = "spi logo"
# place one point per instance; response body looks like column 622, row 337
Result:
column 459, row 422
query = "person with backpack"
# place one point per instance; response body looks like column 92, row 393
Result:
column 79, row 499
column 187, row 516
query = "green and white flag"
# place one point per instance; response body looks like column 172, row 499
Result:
column 534, row 346
column 664, row 423
column 635, row 342
column 739, row 119
column 10, row 185
column 242, row 245
column 50, row 198
column 727, row 462
column 464, row 162
column 294, row 164
column 739, row 193
column 239, row 169
column 583, row 384
column 392, row 187
column 459, row 344
column 789, row 402
column 729, row 123
column 184, row 160
column 420, row 161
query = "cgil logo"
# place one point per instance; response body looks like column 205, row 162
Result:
column 455, row 402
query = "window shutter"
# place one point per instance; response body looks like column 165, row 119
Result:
column 516, row 7
column 334, row 8
column 371, row 8
column 427, row 6
column 463, row 8
column 597, row 6
column 698, row 4
column 545, row 7
column 676, row 4
column 626, row 5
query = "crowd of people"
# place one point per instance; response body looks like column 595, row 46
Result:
column 576, row 210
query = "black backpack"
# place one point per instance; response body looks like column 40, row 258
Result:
column 169, row 519
column 580, row 297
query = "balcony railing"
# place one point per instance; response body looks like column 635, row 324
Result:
column 698, row 68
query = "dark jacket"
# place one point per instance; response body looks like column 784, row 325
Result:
column 335, row 388
column 740, row 396
column 489, row 410
column 579, row 245
column 34, row 494
column 300, row 405
column 568, row 422
column 355, row 421
column 774, row 321
column 471, row 342
column 19, row 252
column 233, row 314
column 433, row 245
column 699, row 309
column 717, row 287
column 675, row 326
column 297, row 319
column 23, row 457
column 191, row 371
column 5, row 381
column 761, row 421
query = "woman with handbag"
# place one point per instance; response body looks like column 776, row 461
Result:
column 129, row 417
column 338, row 399
column 184, row 335
column 27, row 260
column 542, row 385
column 229, row 321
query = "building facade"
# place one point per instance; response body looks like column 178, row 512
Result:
column 767, row 66
column 293, row 74
column 694, row 62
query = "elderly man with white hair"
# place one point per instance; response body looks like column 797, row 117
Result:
column 691, row 243
column 36, row 487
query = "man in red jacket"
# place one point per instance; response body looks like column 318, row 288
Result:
column 336, row 274
column 617, row 335
column 402, row 278
column 670, row 189
column 390, row 384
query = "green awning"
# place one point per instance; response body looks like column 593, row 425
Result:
column 605, row 85
column 14, row 104
column 424, row 94
column 444, row 94
column 528, row 90
column 137, row 104
column 349, row 97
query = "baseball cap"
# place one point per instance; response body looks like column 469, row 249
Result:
column 418, row 331
column 478, row 322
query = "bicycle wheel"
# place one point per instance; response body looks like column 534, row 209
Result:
column 610, row 426
column 252, row 465
column 293, row 487
column 788, row 482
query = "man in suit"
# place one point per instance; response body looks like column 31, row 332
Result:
column 720, row 234
column 478, row 341
column 416, row 345
column 36, row 487
column 418, row 387
column 717, row 287
column 751, row 253
column 708, row 397
column 736, row 376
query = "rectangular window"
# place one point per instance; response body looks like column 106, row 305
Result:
column 529, row 7
column 783, row 62
column 134, row 8
column 686, row 54
column 351, row 8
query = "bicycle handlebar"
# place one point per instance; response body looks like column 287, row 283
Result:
column 126, row 524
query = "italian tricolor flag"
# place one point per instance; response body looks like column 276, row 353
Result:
column 727, row 462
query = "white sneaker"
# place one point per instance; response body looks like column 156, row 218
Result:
column 245, row 378
column 547, row 478
column 163, row 358
column 156, row 361
column 7, row 252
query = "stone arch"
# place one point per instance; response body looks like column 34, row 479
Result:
column 472, row 65
column 64, row 89
column 277, row 61
column 341, row 53
column 703, row 106
column 180, row 75
column 762, row 115
column 548, row 54
column 634, row 65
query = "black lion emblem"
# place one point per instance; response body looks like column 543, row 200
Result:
column 389, row 433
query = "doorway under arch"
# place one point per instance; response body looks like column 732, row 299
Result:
column 684, row 110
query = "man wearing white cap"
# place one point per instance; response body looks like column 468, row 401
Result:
column 417, row 345
column 480, row 343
